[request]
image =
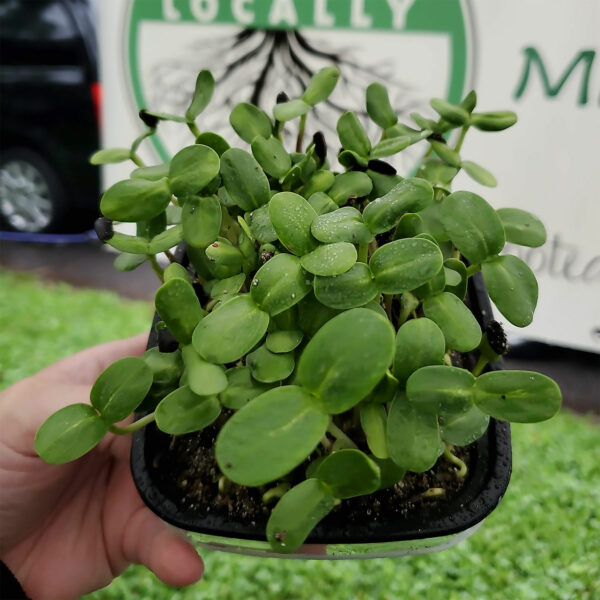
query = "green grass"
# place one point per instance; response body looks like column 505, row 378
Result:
column 543, row 542
column 41, row 323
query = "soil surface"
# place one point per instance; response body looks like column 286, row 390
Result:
column 189, row 472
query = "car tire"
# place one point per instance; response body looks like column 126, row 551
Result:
column 32, row 196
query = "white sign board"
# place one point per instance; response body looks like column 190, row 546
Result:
column 541, row 60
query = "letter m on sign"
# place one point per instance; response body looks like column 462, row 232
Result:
column 533, row 59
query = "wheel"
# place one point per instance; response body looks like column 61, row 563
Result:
column 32, row 197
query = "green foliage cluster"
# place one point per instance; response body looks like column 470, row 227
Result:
column 40, row 322
column 322, row 307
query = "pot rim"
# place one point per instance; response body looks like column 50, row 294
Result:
column 479, row 496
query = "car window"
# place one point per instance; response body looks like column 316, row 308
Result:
column 38, row 32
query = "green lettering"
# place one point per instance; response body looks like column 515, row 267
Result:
column 532, row 57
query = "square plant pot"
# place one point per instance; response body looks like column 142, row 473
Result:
column 423, row 529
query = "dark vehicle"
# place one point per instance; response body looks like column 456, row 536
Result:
column 49, row 115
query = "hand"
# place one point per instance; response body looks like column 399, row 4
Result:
column 69, row 529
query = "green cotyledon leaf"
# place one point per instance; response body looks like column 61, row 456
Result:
column 320, row 181
column 419, row 343
column 286, row 111
column 494, row 121
column 379, row 107
column 183, row 411
column 250, row 122
column 451, row 315
column 452, row 113
column 203, row 91
column 472, row 225
column 404, row 265
column 297, row 513
column 461, row 428
column 166, row 367
column 349, row 473
column 385, row 390
column 469, row 101
column 382, row 183
column 458, row 289
column 352, row 135
column 409, row 225
column 350, row 159
column 120, row 388
column 390, row 472
column 321, row 85
column 271, row 156
column 260, row 225
column 128, row 262
column 151, row 173
column 521, row 227
column 286, row 320
column 413, row 436
column 131, row 244
column 342, row 225
column 432, row 287
column 192, row 169
column 231, row 331
column 312, row 315
column 351, row 289
column 178, row 306
column 241, row 388
column 176, row 271
column 270, row 436
column 214, row 141
column 330, row 259
column 411, row 195
column 201, row 220
column 437, row 172
column 225, row 259
column 134, row 200
column 350, row 185
column 165, row 240
column 69, row 433
column 268, row 367
column 283, row 341
column 280, row 284
column 513, row 288
column 373, row 420
column 439, row 387
column 446, row 154
column 292, row 217
column 153, row 227
column 451, row 276
column 204, row 378
column 519, row 396
column 391, row 146
column 245, row 182
column 110, row 155
column 346, row 358
column 229, row 285
column 478, row 173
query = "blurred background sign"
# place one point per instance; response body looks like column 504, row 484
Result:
column 518, row 55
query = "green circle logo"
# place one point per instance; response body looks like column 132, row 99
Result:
column 257, row 48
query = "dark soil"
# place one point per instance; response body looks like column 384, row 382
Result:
column 188, row 473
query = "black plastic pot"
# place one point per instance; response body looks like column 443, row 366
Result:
column 430, row 529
